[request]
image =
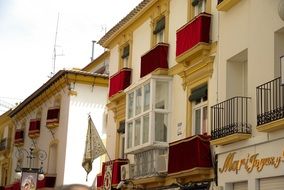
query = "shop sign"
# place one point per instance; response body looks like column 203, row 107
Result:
column 249, row 163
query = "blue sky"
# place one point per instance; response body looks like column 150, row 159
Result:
column 27, row 35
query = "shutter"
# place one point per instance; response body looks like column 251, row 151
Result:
column 160, row 25
column 198, row 93
column 240, row 186
column 272, row 183
column 125, row 52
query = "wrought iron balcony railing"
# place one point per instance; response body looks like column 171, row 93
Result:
column 270, row 102
column 230, row 117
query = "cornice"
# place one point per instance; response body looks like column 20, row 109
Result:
column 54, row 85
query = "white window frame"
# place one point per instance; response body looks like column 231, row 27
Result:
column 197, row 11
column 122, row 154
column 160, row 37
column 195, row 107
column 151, row 112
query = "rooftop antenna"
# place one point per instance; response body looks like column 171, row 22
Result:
column 54, row 48
column 93, row 43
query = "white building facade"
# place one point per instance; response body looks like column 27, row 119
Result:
column 55, row 119
column 247, row 120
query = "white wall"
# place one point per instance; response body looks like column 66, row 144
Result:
column 113, row 60
column 140, row 45
column 87, row 101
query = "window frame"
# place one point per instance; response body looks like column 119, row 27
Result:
column 124, row 60
column 191, row 9
column 199, row 106
column 150, row 112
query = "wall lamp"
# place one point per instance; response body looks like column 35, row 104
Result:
column 29, row 173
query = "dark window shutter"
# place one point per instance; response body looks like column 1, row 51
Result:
column 125, row 52
column 198, row 93
column 160, row 25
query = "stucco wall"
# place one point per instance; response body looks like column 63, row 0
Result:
column 88, row 101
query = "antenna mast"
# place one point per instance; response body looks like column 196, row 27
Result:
column 54, row 47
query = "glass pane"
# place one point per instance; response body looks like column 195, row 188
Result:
column 129, row 134
column 197, row 120
column 146, row 97
column 204, row 120
column 125, row 62
column 138, row 101
column 137, row 132
column 130, row 105
column 145, row 129
column 161, row 99
column 161, row 127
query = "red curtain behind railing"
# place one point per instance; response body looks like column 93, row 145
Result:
column 195, row 31
column 189, row 153
column 155, row 58
column 119, row 81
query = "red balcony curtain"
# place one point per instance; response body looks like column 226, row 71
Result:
column 119, row 81
column 53, row 113
column 197, row 30
column 19, row 137
column 189, row 153
column 99, row 180
column 155, row 58
column 48, row 181
column 34, row 125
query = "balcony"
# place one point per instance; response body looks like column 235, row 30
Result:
column 119, row 81
column 193, row 38
column 270, row 106
column 151, row 163
column 52, row 120
column 229, row 121
column 225, row 5
column 115, row 165
column 19, row 138
column 154, row 59
column 190, row 157
column 34, row 128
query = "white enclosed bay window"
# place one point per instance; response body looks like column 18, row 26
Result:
column 147, row 114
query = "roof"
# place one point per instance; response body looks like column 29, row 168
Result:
column 95, row 61
column 123, row 21
column 60, row 74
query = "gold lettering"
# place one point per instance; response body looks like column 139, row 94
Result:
column 228, row 162
column 249, row 163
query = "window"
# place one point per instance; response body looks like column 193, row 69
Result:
column 199, row 6
column 121, row 132
column 159, row 30
column 198, row 99
column 147, row 114
column 125, row 57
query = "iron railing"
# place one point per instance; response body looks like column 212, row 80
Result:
column 146, row 163
column 230, row 117
column 270, row 101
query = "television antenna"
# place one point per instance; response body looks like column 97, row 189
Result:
column 54, row 49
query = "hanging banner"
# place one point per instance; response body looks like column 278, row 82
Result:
column 108, row 176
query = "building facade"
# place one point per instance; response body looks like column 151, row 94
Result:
column 247, row 119
column 162, row 57
column 6, row 148
column 53, row 121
